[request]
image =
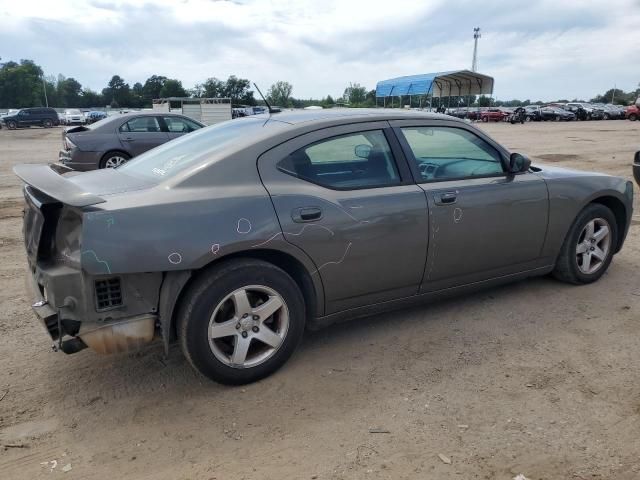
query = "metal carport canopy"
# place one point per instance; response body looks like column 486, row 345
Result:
column 438, row 84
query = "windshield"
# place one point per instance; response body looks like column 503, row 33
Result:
column 168, row 160
column 72, row 112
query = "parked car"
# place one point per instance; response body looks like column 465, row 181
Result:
column 29, row 117
column 538, row 113
column 585, row 111
column 94, row 116
column 114, row 140
column 233, row 239
column 73, row 116
column 493, row 115
column 632, row 112
column 611, row 112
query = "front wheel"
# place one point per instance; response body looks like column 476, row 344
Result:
column 588, row 248
column 11, row 125
column 241, row 321
column 633, row 117
column 47, row 123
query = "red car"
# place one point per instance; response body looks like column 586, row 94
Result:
column 494, row 115
column 632, row 113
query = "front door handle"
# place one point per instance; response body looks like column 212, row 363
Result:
column 446, row 198
column 128, row 139
column 306, row 214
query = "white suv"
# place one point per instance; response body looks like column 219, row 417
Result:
column 73, row 116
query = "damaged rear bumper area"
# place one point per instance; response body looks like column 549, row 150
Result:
column 115, row 314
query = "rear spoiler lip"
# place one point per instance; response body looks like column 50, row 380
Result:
column 49, row 180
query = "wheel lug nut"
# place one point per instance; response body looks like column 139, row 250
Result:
column 237, row 326
column 244, row 334
column 245, row 315
column 256, row 317
column 255, row 329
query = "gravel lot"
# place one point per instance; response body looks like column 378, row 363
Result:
column 537, row 378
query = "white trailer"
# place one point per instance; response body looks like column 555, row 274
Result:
column 206, row 110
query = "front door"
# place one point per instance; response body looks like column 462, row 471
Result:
column 484, row 223
column 344, row 199
column 141, row 134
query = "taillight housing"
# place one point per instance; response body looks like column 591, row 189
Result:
column 68, row 144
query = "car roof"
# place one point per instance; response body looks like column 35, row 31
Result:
column 340, row 115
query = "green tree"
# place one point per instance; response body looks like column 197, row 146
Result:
column 355, row 94
column 280, row 93
column 172, row 88
column 21, row 84
column 237, row 89
column 152, row 87
column 137, row 95
column 117, row 93
column 90, row 99
column 68, row 91
column 484, row 101
column 211, row 88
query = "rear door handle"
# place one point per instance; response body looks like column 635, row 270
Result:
column 446, row 198
column 306, row 214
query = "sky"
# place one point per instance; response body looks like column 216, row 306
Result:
column 535, row 49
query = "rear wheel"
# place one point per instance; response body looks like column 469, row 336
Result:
column 114, row 159
column 47, row 123
column 241, row 321
column 588, row 248
column 633, row 117
column 11, row 125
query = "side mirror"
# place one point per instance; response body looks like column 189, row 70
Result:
column 362, row 151
column 518, row 163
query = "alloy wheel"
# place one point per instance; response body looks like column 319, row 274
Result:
column 115, row 161
column 248, row 326
column 593, row 246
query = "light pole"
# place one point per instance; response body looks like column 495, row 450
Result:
column 44, row 85
column 476, row 36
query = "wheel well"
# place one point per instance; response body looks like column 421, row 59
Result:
column 619, row 212
column 286, row 262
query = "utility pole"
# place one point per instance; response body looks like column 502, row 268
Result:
column 613, row 94
column 44, row 85
column 476, row 36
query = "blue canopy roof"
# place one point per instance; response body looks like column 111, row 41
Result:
column 455, row 83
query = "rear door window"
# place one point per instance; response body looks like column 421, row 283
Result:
column 357, row 160
column 141, row 125
column 180, row 124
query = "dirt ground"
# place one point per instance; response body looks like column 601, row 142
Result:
column 536, row 378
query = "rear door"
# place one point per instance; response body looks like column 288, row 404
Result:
column 345, row 196
column 484, row 222
column 140, row 134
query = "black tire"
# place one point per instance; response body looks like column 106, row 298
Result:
column 11, row 125
column 606, row 116
column 566, row 268
column 209, row 290
column 47, row 123
column 110, row 156
column 633, row 117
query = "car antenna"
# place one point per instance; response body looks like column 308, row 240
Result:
column 271, row 109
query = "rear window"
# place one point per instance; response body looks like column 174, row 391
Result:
column 171, row 158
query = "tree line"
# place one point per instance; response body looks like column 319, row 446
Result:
column 23, row 84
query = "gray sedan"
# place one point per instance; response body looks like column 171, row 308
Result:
column 113, row 141
column 234, row 239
